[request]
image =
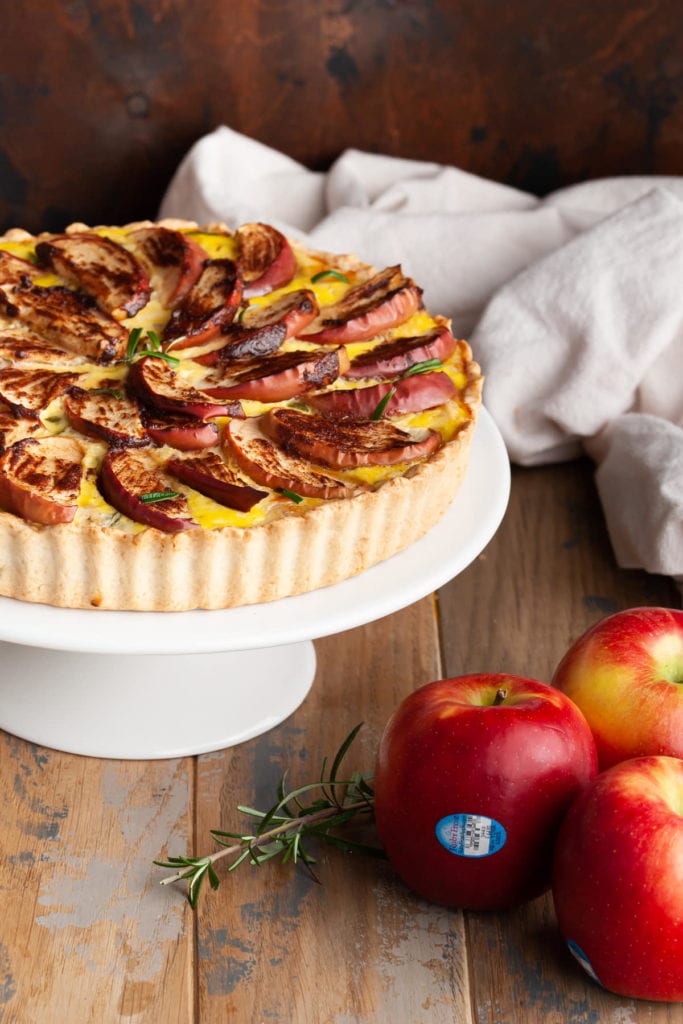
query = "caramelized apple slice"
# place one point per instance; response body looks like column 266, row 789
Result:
column 346, row 444
column 391, row 358
column 208, row 307
column 14, row 270
column 265, row 259
column 384, row 301
column 106, row 413
column 133, row 483
column 16, row 429
column 23, row 345
column 279, row 377
column 156, row 383
column 270, row 466
column 264, row 328
column 412, row 394
column 40, row 479
column 210, row 475
column 66, row 319
column 186, row 433
column 105, row 271
column 173, row 261
column 28, row 392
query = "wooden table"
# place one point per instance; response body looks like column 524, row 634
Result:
column 88, row 935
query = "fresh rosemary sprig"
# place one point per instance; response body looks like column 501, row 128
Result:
column 426, row 366
column 149, row 345
column 282, row 829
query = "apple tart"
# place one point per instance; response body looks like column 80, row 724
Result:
column 192, row 417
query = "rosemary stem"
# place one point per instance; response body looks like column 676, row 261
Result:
column 295, row 825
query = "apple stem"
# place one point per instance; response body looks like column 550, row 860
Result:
column 499, row 698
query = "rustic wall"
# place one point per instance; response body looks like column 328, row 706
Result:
column 100, row 98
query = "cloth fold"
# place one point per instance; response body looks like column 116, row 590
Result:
column 573, row 303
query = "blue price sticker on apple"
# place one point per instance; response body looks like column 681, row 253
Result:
column 470, row 835
column 579, row 955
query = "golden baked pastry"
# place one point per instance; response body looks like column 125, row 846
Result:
column 198, row 418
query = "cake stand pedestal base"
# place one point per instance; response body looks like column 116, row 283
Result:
column 149, row 706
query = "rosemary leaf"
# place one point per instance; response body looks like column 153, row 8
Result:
column 114, row 392
column 424, row 367
column 242, row 856
column 289, row 494
column 330, row 273
column 382, row 404
column 152, row 497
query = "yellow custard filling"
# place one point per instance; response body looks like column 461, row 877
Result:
column 446, row 419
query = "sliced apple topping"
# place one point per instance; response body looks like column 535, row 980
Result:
column 157, row 384
column 104, row 270
column 270, row 466
column 411, row 394
column 16, row 429
column 173, row 261
column 135, row 485
column 208, row 307
column 22, row 345
column 344, row 445
column 40, row 479
column 210, row 475
column 383, row 301
column 28, row 392
column 265, row 260
column 66, row 319
column 391, row 358
column 106, row 413
column 186, row 433
column 263, row 329
column 14, row 270
column 279, row 377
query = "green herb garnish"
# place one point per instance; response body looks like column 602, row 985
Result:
column 152, row 347
column 330, row 273
column 282, row 829
column 152, row 497
column 114, row 392
column 424, row 367
column 382, row 404
column 289, row 494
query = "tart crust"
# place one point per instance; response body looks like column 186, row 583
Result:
column 87, row 565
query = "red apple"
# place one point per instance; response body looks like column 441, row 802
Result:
column 474, row 775
column 618, row 878
column 626, row 675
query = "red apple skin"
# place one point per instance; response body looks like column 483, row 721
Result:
column 626, row 675
column 448, row 751
column 618, row 878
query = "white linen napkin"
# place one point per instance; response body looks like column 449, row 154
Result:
column 573, row 303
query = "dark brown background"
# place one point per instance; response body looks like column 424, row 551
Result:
column 100, row 99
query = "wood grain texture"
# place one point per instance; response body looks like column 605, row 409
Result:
column 273, row 944
column 532, row 95
column 86, row 935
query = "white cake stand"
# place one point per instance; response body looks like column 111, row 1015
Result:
column 168, row 684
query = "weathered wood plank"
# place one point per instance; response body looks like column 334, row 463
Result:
column 273, row 945
column 545, row 578
column 86, row 934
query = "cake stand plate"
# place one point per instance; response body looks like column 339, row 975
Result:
column 169, row 684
